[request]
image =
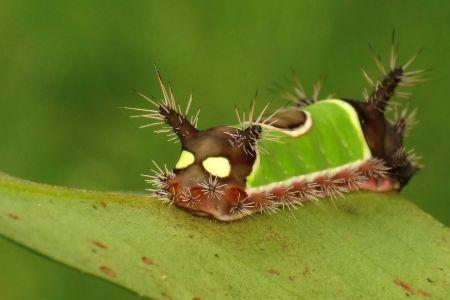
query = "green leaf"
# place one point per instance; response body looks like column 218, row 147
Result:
column 366, row 246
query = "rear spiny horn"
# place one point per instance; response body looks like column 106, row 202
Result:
column 168, row 112
column 393, row 76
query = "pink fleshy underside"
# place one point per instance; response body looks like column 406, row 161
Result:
column 233, row 203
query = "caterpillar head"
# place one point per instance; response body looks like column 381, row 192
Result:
column 210, row 175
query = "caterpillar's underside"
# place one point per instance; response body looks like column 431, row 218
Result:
column 225, row 171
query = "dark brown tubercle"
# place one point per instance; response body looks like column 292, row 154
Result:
column 385, row 137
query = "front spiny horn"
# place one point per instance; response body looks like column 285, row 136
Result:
column 168, row 112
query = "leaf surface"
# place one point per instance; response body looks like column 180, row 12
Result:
column 366, row 245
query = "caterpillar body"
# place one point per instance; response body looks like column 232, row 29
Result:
column 303, row 152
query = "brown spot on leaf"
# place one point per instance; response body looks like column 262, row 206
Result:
column 291, row 277
column 196, row 298
column 13, row 216
column 103, row 204
column 409, row 289
column 147, row 261
column 404, row 285
column 423, row 293
column 108, row 271
column 100, row 244
column 166, row 297
column 273, row 271
column 349, row 209
column 306, row 271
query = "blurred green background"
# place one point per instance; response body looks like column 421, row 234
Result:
column 66, row 67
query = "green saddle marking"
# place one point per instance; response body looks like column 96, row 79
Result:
column 334, row 139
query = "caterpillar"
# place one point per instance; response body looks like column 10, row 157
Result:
column 305, row 151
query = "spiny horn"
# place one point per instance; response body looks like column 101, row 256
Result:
column 172, row 114
column 168, row 112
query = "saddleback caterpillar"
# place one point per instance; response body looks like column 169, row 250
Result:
column 302, row 152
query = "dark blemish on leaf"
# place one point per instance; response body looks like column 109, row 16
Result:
column 166, row 297
column 291, row 277
column 103, row 203
column 108, row 271
column 306, row 271
column 191, row 236
column 147, row 261
column 429, row 280
column 404, row 285
column 196, row 298
column 273, row 271
column 349, row 209
column 216, row 255
column 94, row 250
column 410, row 290
column 100, row 245
column 94, row 206
column 13, row 216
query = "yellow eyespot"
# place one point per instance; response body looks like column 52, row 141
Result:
column 217, row 166
column 186, row 159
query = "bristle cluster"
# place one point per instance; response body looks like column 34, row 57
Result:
column 212, row 187
column 190, row 198
column 242, row 206
column 245, row 139
column 250, row 129
column 403, row 158
column 297, row 95
column 161, row 180
column 403, row 121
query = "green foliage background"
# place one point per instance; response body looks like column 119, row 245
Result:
column 66, row 67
